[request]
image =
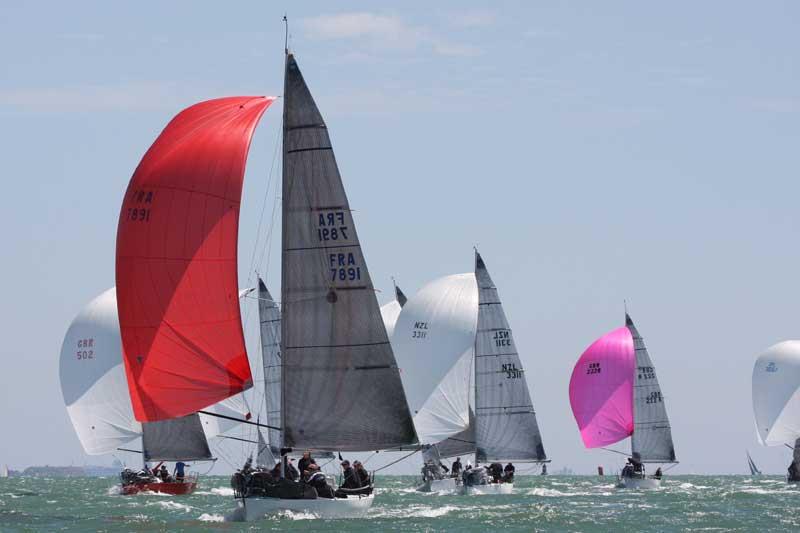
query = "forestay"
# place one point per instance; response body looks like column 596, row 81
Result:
column 341, row 384
column 93, row 379
column 776, row 400
column 435, row 342
column 505, row 422
column 652, row 437
column 178, row 439
column 176, row 265
column 270, row 319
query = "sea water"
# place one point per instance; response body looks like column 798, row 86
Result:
column 539, row 503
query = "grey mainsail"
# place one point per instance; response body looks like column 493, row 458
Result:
column 176, row 439
column 399, row 296
column 341, row 385
column 505, row 422
column 270, row 318
column 652, row 437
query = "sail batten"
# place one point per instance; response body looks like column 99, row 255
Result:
column 341, row 387
column 505, row 421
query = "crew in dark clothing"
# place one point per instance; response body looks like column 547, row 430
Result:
column 455, row 468
column 350, row 480
column 508, row 473
column 363, row 475
column 496, row 471
column 317, row 480
column 276, row 470
column 291, row 471
column 638, row 467
column 627, row 470
column 164, row 474
column 306, row 460
column 658, row 473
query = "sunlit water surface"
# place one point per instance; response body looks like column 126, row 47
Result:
column 552, row 503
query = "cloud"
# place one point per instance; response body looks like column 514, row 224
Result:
column 384, row 32
column 472, row 19
column 138, row 96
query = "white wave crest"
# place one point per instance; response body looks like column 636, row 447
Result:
column 205, row 517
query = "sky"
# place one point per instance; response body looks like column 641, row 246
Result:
column 594, row 153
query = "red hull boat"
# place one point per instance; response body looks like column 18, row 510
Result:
column 177, row 488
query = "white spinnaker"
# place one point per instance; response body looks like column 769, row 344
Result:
column 235, row 407
column 390, row 313
column 434, row 340
column 776, row 394
column 93, row 380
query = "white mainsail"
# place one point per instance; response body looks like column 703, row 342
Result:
column 95, row 387
column 93, row 381
column 434, row 340
column 776, row 394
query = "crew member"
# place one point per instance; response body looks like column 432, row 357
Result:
column 508, row 473
column 179, row 471
column 317, row 480
column 455, row 468
column 302, row 464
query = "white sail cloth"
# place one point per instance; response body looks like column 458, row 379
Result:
column 434, row 342
column 776, row 394
column 390, row 312
column 95, row 387
column 93, row 380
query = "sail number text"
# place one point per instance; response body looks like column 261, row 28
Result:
column 420, row 330
column 140, row 210
column 502, row 338
column 647, row 372
column 511, row 370
column 85, row 349
column 344, row 267
column 594, row 368
column 331, row 226
column 654, row 397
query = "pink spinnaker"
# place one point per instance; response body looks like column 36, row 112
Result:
column 601, row 389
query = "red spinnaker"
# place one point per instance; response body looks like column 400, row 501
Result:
column 177, row 283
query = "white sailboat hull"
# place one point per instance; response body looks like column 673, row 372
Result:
column 251, row 509
column 446, row 485
column 491, row 488
column 638, row 483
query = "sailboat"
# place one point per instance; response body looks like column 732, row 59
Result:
column 4, row 471
column 340, row 385
column 754, row 471
column 96, row 395
column 615, row 394
column 776, row 400
column 390, row 311
column 465, row 380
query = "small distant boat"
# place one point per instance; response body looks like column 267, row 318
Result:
column 465, row 381
column 776, row 400
column 615, row 394
column 4, row 471
column 754, row 471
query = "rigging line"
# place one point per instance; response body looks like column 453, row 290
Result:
column 261, row 215
column 397, row 461
column 368, row 458
column 615, row 451
column 240, row 420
